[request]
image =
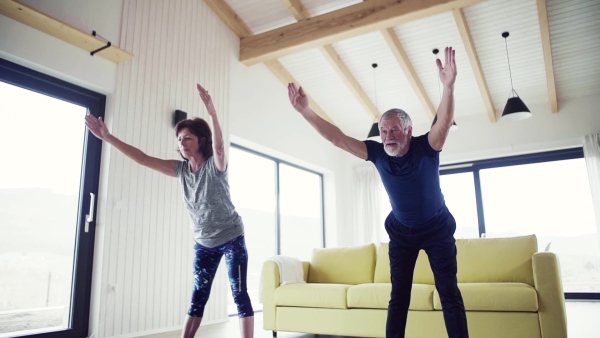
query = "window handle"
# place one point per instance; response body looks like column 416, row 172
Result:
column 90, row 217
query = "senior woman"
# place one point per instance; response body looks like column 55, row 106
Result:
column 218, row 229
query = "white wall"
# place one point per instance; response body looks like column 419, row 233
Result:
column 142, row 270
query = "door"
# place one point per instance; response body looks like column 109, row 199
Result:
column 48, row 184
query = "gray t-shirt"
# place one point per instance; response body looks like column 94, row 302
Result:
column 206, row 196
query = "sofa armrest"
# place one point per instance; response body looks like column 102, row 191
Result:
column 269, row 283
column 548, row 283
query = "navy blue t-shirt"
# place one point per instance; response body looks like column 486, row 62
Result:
column 412, row 181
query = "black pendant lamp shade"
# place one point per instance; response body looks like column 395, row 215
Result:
column 453, row 127
column 515, row 108
column 374, row 132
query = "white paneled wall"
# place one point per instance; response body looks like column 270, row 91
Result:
column 143, row 273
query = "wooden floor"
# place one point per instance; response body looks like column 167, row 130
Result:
column 582, row 322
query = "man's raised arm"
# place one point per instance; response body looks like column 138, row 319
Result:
column 445, row 113
column 330, row 132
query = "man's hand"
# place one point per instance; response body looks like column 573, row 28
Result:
column 96, row 126
column 297, row 98
column 207, row 100
column 448, row 71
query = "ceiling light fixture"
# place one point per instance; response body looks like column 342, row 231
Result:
column 374, row 132
column 454, row 125
column 515, row 108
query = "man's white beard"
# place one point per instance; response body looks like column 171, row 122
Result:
column 393, row 152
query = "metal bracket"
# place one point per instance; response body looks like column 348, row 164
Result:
column 108, row 44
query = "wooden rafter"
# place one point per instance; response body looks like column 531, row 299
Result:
column 299, row 12
column 343, row 71
column 295, row 7
column 52, row 26
column 547, row 48
column 344, row 23
column 229, row 17
column 467, row 39
column 239, row 27
column 285, row 77
column 409, row 71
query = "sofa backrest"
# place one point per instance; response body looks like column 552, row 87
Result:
column 346, row 265
column 480, row 260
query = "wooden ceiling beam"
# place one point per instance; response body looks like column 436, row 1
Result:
column 285, row 77
column 299, row 12
column 409, row 71
column 297, row 9
column 229, row 17
column 239, row 27
column 547, row 48
column 467, row 39
column 365, row 17
column 349, row 79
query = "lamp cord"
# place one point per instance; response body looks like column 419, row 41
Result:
column 509, row 72
column 438, row 81
column 375, row 86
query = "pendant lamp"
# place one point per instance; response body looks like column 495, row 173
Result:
column 515, row 108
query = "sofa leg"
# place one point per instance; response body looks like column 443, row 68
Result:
column 274, row 334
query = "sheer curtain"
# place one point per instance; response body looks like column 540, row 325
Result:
column 591, row 152
column 368, row 222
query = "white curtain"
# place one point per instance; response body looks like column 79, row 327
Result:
column 368, row 221
column 591, row 152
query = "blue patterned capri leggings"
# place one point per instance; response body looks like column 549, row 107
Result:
column 206, row 263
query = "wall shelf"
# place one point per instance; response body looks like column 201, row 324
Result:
column 49, row 25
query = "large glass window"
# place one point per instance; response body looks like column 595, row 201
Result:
column 544, row 194
column 459, row 194
column 48, row 183
column 553, row 201
column 301, row 222
column 282, row 209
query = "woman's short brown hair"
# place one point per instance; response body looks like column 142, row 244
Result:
column 200, row 128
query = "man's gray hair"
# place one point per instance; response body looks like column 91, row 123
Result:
column 405, row 120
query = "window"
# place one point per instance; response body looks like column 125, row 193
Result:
column 459, row 194
column 47, row 186
column 544, row 194
column 553, row 201
column 282, row 208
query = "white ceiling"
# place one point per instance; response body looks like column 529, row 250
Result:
column 574, row 43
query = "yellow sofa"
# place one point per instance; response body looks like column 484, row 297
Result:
column 509, row 290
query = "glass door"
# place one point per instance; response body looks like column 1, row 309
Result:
column 48, row 184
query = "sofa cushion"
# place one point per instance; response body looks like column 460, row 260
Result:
column 346, row 265
column 331, row 296
column 422, row 273
column 514, row 297
column 498, row 260
column 480, row 260
column 377, row 296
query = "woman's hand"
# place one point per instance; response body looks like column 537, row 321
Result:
column 207, row 100
column 96, row 126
